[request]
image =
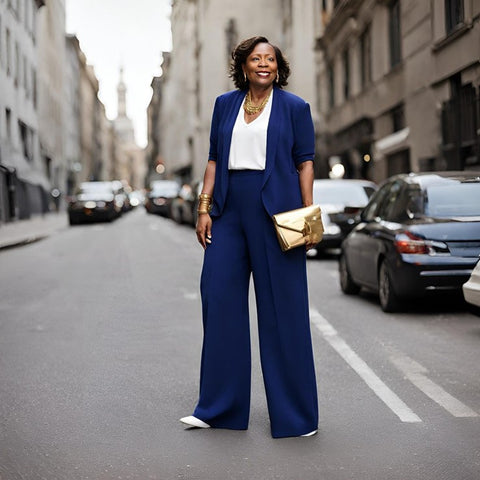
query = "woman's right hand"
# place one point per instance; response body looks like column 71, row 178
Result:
column 204, row 229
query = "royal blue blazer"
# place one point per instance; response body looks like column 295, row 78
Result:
column 290, row 141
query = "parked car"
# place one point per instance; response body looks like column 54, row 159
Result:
column 94, row 201
column 471, row 289
column 184, row 206
column 341, row 202
column 419, row 233
column 159, row 199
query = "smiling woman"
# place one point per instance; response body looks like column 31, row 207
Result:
column 260, row 164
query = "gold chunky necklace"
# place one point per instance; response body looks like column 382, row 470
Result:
column 250, row 108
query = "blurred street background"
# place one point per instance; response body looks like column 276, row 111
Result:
column 99, row 353
column 100, row 316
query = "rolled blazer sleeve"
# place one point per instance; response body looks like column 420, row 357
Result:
column 213, row 152
column 304, row 142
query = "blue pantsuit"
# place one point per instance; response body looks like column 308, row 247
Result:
column 244, row 243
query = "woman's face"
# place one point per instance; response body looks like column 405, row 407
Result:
column 261, row 66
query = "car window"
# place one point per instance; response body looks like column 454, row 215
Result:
column 338, row 193
column 414, row 204
column 371, row 210
column 391, row 206
column 165, row 187
column 95, row 187
column 369, row 191
column 456, row 199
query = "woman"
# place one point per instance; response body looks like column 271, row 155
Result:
column 260, row 163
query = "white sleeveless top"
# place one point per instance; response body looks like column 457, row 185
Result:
column 248, row 149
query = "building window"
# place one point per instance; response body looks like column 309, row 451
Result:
column 453, row 14
column 346, row 73
column 8, row 118
column 397, row 115
column 394, row 33
column 231, row 34
column 34, row 87
column 25, row 137
column 17, row 64
column 34, row 24
column 25, row 75
column 331, row 85
column 48, row 166
column 366, row 57
column 9, row 52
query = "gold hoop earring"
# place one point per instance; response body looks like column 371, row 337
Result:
column 245, row 77
column 278, row 77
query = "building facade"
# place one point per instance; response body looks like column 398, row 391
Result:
column 154, row 162
column 54, row 133
column 90, row 133
column 398, row 86
column 24, row 183
column 73, row 156
column 51, row 94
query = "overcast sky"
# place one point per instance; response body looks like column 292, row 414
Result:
column 132, row 33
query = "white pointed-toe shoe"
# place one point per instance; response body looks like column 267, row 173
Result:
column 309, row 434
column 192, row 421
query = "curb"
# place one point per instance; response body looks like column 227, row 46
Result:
column 24, row 241
column 20, row 234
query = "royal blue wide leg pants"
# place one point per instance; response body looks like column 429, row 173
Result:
column 244, row 243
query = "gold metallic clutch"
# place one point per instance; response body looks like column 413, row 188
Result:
column 298, row 227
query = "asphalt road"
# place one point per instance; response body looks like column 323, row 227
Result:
column 100, row 337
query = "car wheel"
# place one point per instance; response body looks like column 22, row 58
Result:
column 388, row 298
column 347, row 284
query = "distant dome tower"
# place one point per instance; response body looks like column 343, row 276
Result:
column 123, row 124
column 122, row 96
column 130, row 158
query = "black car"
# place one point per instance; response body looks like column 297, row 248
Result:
column 184, row 207
column 341, row 202
column 94, row 201
column 159, row 199
column 419, row 233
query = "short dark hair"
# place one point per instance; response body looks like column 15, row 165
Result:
column 239, row 57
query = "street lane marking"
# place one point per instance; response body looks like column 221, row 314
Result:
column 391, row 400
column 416, row 373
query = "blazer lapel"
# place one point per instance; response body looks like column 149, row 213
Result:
column 273, row 130
column 231, row 113
column 229, row 117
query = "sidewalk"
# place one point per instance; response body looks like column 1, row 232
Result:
column 22, row 232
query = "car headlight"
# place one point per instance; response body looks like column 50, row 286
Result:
column 90, row 204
